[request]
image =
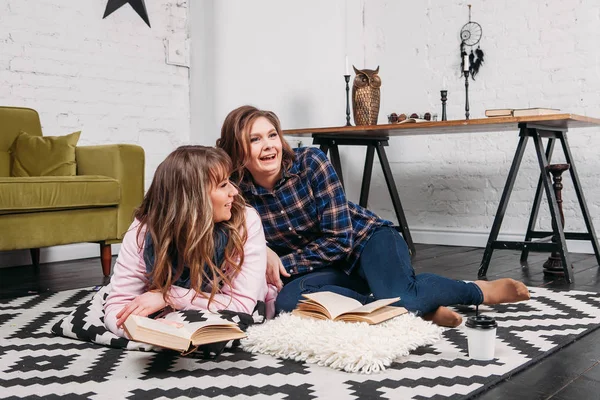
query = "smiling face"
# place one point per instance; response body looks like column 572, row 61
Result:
column 264, row 159
column 221, row 197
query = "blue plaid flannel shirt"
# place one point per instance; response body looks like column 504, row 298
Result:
column 306, row 218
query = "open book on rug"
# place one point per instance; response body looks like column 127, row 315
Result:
column 183, row 337
column 333, row 306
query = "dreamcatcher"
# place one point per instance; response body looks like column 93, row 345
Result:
column 470, row 35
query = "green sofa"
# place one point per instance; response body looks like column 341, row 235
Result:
column 96, row 205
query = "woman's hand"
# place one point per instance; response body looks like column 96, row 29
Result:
column 144, row 305
column 275, row 269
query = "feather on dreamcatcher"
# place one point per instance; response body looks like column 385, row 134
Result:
column 470, row 35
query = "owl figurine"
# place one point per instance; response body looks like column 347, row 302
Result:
column 365, row 96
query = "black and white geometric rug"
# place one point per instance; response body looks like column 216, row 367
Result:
column 34, row 363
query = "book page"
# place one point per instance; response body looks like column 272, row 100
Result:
column 193, row 327
column 309, row 314
column 217, row 333
column 335, row 304
column 380, row 315
column 157, row 332
column 369, row 308
column 160, row 325
column 312, row 307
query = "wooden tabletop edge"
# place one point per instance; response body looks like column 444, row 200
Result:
column 451, row 123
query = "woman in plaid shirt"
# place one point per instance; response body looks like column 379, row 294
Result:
column 319, row 241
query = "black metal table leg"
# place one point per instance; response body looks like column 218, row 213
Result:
column 508, row 187
column 330, row 145
column 335, row 160
column 389, row 179
column 582, row 203
column 557, row 227
column 536, row 204
column 366, row 180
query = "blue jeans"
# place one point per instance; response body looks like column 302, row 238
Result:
column 383, row 270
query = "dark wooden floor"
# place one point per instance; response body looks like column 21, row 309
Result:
column 571, row 373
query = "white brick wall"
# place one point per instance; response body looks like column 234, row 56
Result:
column 108, row 77
column 537, row 54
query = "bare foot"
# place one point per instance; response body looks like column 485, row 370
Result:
column 444, row 316
column 504, row 290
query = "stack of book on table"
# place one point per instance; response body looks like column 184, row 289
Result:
column 520, row 112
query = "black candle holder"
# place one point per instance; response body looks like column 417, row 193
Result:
column 444, row 94
column 466, row 74
column 347, row 79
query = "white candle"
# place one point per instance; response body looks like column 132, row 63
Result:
column 465, row 62
column 347, row 67
column 444, row 83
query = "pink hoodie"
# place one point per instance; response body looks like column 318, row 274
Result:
column 248, row 287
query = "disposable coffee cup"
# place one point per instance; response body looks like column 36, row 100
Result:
column 481, row 337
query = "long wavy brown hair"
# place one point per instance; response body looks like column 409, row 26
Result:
column 178, row 214
column 235, row 138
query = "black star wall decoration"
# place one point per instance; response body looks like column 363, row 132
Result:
column 137, row 5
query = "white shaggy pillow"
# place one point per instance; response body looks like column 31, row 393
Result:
column 351, row 347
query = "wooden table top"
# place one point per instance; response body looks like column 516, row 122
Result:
column 496, row 124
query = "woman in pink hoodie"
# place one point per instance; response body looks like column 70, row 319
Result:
column 193, row 244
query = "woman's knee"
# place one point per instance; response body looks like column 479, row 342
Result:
column 288, row 298
column 386, row 251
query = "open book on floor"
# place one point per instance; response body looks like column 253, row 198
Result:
column 183, row 337
column 328, row 305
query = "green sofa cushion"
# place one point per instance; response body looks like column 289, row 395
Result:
column 48, row 193
column 44, row 155
column 32, row 230
column 4, row 163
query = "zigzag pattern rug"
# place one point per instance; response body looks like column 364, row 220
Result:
column 34, row 362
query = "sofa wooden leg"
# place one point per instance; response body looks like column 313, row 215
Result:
column 105, row 258
column 35, row 257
